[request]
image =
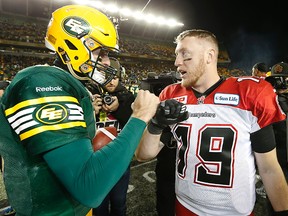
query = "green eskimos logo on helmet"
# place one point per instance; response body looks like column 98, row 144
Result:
column 76, row 26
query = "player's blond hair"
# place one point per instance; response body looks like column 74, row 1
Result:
column 201, row 34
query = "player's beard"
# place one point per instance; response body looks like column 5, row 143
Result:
column 194, row 74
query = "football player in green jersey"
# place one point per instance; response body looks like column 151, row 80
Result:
column 48, row 123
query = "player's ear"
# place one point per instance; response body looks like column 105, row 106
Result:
column 210, row 56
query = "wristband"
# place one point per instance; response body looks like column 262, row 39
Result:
column 280, row 213
column 154, row 128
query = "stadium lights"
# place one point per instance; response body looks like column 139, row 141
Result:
column 126, row 13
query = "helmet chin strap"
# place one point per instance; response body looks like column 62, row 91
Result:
column 95, row 75
column 66, row 59
column 74, row 74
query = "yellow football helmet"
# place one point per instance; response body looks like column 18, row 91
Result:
column 73, row 32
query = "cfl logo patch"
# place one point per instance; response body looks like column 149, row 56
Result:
column 182, row 99
column 51, row 114
column 76, row 26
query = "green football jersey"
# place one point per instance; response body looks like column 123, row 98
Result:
column 43, row 108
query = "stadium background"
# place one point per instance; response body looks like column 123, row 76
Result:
column 144, row 52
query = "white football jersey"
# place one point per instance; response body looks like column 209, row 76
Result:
column 215, row 167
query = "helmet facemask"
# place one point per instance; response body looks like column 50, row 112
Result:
column 93, row 69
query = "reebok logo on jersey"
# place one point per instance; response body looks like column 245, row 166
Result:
column 48, row 89
column 229, row 99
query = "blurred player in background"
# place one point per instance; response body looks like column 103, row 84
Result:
column 260, row 69
column 279, row 80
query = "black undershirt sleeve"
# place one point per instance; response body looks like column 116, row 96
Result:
column 263, row 141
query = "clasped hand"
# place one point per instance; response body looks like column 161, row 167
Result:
column 168, row 112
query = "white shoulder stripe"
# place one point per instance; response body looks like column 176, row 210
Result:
column 80, row 117
column 21, row 121
column 25, row 126
column 21, row 113
column 75, row 106
column 75, row 112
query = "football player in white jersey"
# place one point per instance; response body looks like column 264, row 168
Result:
column 227, row 130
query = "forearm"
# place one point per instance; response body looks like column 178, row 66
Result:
column 273, row 179
column 150, row 145
column 88, row 175
column 276, row 188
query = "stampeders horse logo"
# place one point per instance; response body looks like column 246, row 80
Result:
column 75, row 26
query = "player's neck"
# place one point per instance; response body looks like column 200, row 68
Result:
column 210, row 89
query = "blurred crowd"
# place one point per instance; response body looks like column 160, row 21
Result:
column 22, row 45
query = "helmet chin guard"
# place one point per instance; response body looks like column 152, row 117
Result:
column 103, row 74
